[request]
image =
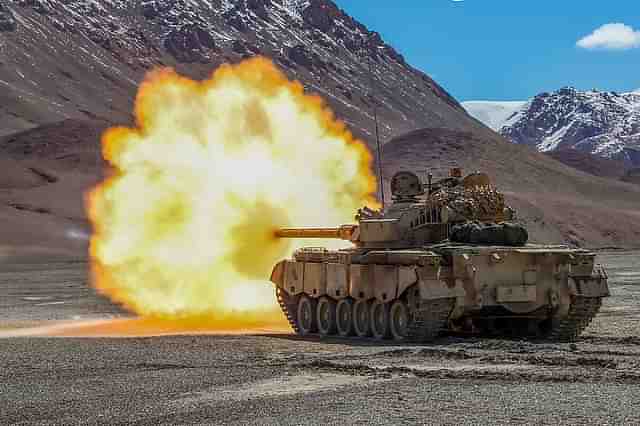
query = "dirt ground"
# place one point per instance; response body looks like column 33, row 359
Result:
column 272, row 378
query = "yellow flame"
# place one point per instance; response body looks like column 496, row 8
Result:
column 183, row 228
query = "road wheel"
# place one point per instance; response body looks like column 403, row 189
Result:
column 344, row 318
column 399, row 320
column 379, row 319
column 326, row 316
column 306, row 316
column 361, row 314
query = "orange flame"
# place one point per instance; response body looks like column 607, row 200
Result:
column 183, row 228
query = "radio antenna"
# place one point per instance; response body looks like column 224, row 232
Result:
column 375, row 119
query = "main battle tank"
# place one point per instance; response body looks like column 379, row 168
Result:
column 445, row 256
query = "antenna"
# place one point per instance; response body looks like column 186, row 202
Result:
column 375, row 118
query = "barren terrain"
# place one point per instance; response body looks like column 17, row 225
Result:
column 269, row 378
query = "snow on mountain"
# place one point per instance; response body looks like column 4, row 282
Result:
column 493, row 114
column 606, row 124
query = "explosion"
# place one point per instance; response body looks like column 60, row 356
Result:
column 184, row 225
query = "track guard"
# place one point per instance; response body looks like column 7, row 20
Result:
column 277, row 275
column 595, row 285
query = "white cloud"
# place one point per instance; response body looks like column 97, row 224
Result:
column 611, row 37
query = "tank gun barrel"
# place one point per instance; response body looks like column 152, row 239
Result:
column 344, row 232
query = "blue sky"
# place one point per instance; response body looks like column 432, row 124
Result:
column 511, row 49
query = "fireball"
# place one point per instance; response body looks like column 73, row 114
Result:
column 184, row 225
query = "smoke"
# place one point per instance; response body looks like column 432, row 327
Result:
column 184, row 227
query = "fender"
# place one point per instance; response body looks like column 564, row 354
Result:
column 593, row 286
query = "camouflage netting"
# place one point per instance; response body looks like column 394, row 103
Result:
column 503, row 234
column 480, row 203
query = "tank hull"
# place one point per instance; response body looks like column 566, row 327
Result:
column 534, row 291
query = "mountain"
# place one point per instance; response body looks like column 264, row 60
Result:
column 605, row 124
column 83, row 59
column 493, row 114
column 589, row 163
column 602, row 123
column 45, row 172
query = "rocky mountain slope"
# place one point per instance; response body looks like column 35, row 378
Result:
column 606, row 124
column 589, row 163
column 83, row 59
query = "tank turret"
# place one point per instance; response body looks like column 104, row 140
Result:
column 427, row 214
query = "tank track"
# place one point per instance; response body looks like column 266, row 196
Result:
column 429, row 319
column 289, row 307
column 581, row 313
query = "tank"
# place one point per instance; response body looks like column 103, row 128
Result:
column 446, row 256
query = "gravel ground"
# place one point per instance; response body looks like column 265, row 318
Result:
column 283, row 379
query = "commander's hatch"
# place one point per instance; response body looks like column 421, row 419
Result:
column 406, row 187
